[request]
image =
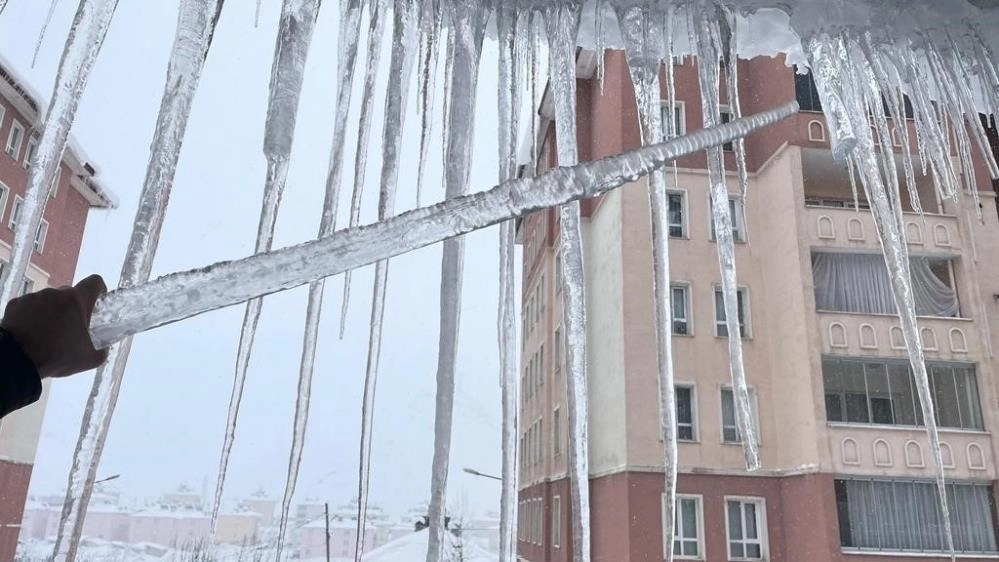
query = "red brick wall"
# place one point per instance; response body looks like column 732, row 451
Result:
column 14, row 478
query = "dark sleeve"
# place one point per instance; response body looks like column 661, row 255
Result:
column 20, row 384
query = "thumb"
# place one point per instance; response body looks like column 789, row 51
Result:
column 88, row 291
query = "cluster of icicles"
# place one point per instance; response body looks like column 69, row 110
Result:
column 853, row 72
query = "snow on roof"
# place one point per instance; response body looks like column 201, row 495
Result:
column 414, row 547
column 37, row 103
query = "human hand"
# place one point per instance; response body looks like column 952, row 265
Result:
column 51, row 326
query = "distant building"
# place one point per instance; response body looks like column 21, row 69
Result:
column 57, row 246
column 263, row 505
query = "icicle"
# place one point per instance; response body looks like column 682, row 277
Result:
column 731, row 21
column 507, row 27
column 599, row 10
column 375, row 32
column 645, row 50
column 405, row 14
column 562, row 19
column 537, row 34
column 824, row 52
column 3, row 5
column 195, row 27
column 41, row 33
column 181, row 295
column 671, row 123
column 707, row 40
column 256, row 14
column 432, row 28
column 350, row 31
column 468, row 21
column 82, row 47
column 860, row 93
column 298, row 19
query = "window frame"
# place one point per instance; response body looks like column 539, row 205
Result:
column 41, row 235
column 557, row 432
column 740, row 233
column 761, row 526
column 726, row 116
column 557, row 351
column 4, row 195
column 685, row 214
column 693, row 413
column 747, row 329
column 688, row 307
column 681, row 107
column 670, row 542
column 54, row 188
column 754, row 407
column 11, row 150
column 15, row 211
column 32, row 145
column 887, row 362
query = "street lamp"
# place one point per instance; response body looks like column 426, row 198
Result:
column 474, row 472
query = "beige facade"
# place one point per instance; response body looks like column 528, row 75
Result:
column 798, row 205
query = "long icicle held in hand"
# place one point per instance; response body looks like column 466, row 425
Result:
column 562, row 19
column 405, row 14
column 644, row 41
column 508, row 107
column 86, row 36
column 376, row 30
column 468, row 21
column 196, row 21
column 181, row 295
column 298, row 20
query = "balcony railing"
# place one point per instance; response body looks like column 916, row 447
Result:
column 832, row 227
column 854, row 334
column 881, row 450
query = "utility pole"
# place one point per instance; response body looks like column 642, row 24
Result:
column 327, row 507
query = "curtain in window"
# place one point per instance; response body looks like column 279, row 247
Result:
column 860, row 283
column 905, row 516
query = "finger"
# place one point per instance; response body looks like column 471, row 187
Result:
column 88, row 291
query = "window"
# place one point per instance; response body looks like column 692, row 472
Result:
column 14, row 139
column 54, row 191
column 15, row 212
column 677, row 218
column 846, row 282
column 539, row 442
column 735, row 213
column 680, row 302
column 40, row 235
column 27, row 287
column 29, row 154
column 541, row 365
column 4, row 192
column 685, row 427
column 904, row 515
column 558, row 273
column 557, row 521
column 835, row 203
column 746, row 529
column 721, row 326
column 557, row 356
column 805, row 92
column 726, row 116
column 557, row 432
column 679, row 119
column 730, row 421
column 882, row 391
column 687, row 533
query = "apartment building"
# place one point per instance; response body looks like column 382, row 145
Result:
column 57, row 246
column 846, row 468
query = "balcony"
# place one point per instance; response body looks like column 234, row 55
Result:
column 831, row 227
column 903, row 451
column 858, row 335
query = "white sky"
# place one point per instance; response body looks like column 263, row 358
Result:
column 170, row 418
